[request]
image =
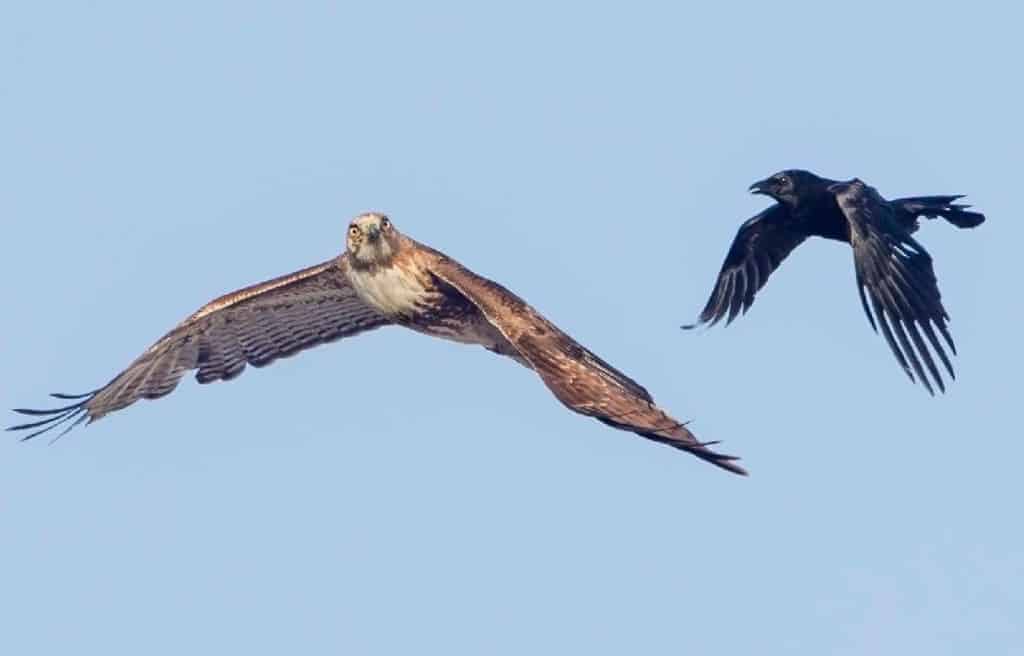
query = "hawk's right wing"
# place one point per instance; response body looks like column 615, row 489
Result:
column 581, row 380
column 255, row 325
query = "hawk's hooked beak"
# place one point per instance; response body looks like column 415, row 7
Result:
column 761, row 187
column 373, row 233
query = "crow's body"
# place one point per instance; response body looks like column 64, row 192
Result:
column 894, row 270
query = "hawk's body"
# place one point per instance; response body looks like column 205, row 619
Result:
column 383, row 278
column 409, row 295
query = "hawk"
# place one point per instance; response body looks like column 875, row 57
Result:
column 894, row 272
column 383, row 278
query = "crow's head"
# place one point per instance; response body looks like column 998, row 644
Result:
column 790, row 186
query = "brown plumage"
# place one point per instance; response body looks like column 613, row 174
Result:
column 382, row 278
column 255, row 325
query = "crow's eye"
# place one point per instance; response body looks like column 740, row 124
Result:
column 783, row 180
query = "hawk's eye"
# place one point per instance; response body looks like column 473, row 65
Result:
column 353, row 231
column 385, row 223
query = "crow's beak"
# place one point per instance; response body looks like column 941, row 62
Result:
column 760, row 187
column 373, row 233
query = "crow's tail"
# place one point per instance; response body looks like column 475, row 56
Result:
column 944, row 206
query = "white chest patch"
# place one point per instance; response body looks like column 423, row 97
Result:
column 391, row 291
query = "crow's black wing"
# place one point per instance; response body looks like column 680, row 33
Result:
column 895, row 275
column 760, row 246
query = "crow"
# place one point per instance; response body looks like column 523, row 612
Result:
column 894, row 272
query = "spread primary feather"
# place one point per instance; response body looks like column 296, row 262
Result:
column 383, row 278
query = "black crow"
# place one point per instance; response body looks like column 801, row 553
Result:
column 892, row 268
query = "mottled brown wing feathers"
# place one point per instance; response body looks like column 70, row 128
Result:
column 895, row 275
column 255, row 325
column 582, row 381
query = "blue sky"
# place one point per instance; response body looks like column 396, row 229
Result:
column 394, row 494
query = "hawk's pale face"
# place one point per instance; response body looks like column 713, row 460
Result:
column 372, row 240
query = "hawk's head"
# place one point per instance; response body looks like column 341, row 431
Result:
column 372, row 240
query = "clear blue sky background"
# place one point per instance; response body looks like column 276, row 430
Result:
column 394, row 494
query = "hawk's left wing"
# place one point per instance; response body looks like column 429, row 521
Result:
column 255, row 325
column 581, row 380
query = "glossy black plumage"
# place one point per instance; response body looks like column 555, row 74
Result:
column 895, row 278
